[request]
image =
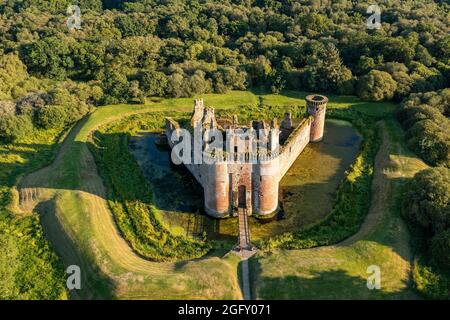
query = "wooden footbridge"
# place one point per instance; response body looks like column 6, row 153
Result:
column 244, row 231
column 245, row 250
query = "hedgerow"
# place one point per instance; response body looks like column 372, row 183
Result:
column 425, row 207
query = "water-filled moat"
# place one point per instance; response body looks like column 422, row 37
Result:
column 306, row 191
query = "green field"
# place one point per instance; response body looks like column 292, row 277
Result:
column 309, row 187
column 339, row 271
column 29, row 269
column 70, row 196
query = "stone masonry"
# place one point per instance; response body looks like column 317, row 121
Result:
column 230, row 180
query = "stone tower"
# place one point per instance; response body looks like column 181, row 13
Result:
column 316, row 106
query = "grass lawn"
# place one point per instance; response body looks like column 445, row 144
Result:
column 28, row 268
column 297, row 98
column 339, row 271
column 71, row 198
column 81, row 229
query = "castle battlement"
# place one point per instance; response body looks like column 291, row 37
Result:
column 245, row 168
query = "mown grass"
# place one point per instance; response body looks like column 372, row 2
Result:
column 352, row 198
column 289, row 98
column 340, row 271
column 83, row 232
column 28, row 267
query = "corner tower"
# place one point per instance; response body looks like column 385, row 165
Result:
column 316, row 106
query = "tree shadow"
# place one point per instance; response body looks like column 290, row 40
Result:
column 94, row 283
column 322, row 285
column 64, row 180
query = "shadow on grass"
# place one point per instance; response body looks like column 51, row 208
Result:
column 214, row 253
column 328, row 285
column 94, row 283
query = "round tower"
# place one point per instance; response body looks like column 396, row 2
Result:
column 216, row 189
column 316, row 106
column 267, row 187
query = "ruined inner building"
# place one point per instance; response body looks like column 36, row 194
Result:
column 245, row 172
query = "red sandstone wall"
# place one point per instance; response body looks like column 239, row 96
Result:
column 216, row 189
column 267, row 183
column 317, row 127
column 221, row 181
column 316, row 105
column 297, row 142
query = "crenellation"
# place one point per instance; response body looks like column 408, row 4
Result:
column 198, row 113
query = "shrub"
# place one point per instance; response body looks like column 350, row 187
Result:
column 376, row 85
column 440, row 248
column 12, row 72
column 7, row 108
column 13, row 127
column 426, row 200
column 32, row 103
column 430, row 281
column 153, row 83
column 74, row 107
column 431, row 142
column 410, row 115
column 428, row 129
column 29, row 270
column 52, row 117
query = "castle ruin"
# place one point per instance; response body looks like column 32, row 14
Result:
column 246, row 175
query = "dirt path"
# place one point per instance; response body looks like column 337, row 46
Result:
column 339, row 271
column 82, row 217
column 381, row 189
column 82, row 230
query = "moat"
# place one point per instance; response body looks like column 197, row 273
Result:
column 307, row 190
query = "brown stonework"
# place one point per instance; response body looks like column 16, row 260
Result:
column 316, row 105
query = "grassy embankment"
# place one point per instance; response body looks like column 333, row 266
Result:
column 145, row 211
column 339, row 271
column 79, row 225
column 28, row 267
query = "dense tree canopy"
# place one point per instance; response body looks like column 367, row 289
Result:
column 127, row 50
column 425, row 118
column 219, row 45
column 427, row 200
column 377, row 85
column 427, row 205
